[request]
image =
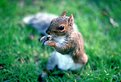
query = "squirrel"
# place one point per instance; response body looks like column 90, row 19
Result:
column 61, row 33
column 68, row 44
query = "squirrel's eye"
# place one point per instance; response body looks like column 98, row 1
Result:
column 60, row 27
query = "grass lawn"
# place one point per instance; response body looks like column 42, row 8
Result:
column 22, row 57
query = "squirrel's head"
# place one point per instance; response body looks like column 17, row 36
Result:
column 61, row 25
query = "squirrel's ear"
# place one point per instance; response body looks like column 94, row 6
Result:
column 71, row 20
column 64, row 13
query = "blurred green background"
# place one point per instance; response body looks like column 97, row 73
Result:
column 22, row 57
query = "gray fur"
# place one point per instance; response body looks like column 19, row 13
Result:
column 39, row 21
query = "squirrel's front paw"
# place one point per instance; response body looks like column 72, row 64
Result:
column 45, row 38
column 50, row 43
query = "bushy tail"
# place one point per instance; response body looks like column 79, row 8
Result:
column 39, row 21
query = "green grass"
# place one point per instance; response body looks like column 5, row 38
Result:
column 22, row 57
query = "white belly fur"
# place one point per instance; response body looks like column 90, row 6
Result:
column 64, row 62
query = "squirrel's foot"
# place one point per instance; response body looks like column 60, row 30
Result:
column 42, row 77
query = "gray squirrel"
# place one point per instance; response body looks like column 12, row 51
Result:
column 64, row 37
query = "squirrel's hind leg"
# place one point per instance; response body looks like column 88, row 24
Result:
column 52, row 62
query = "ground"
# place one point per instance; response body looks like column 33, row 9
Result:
column 22, row 57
